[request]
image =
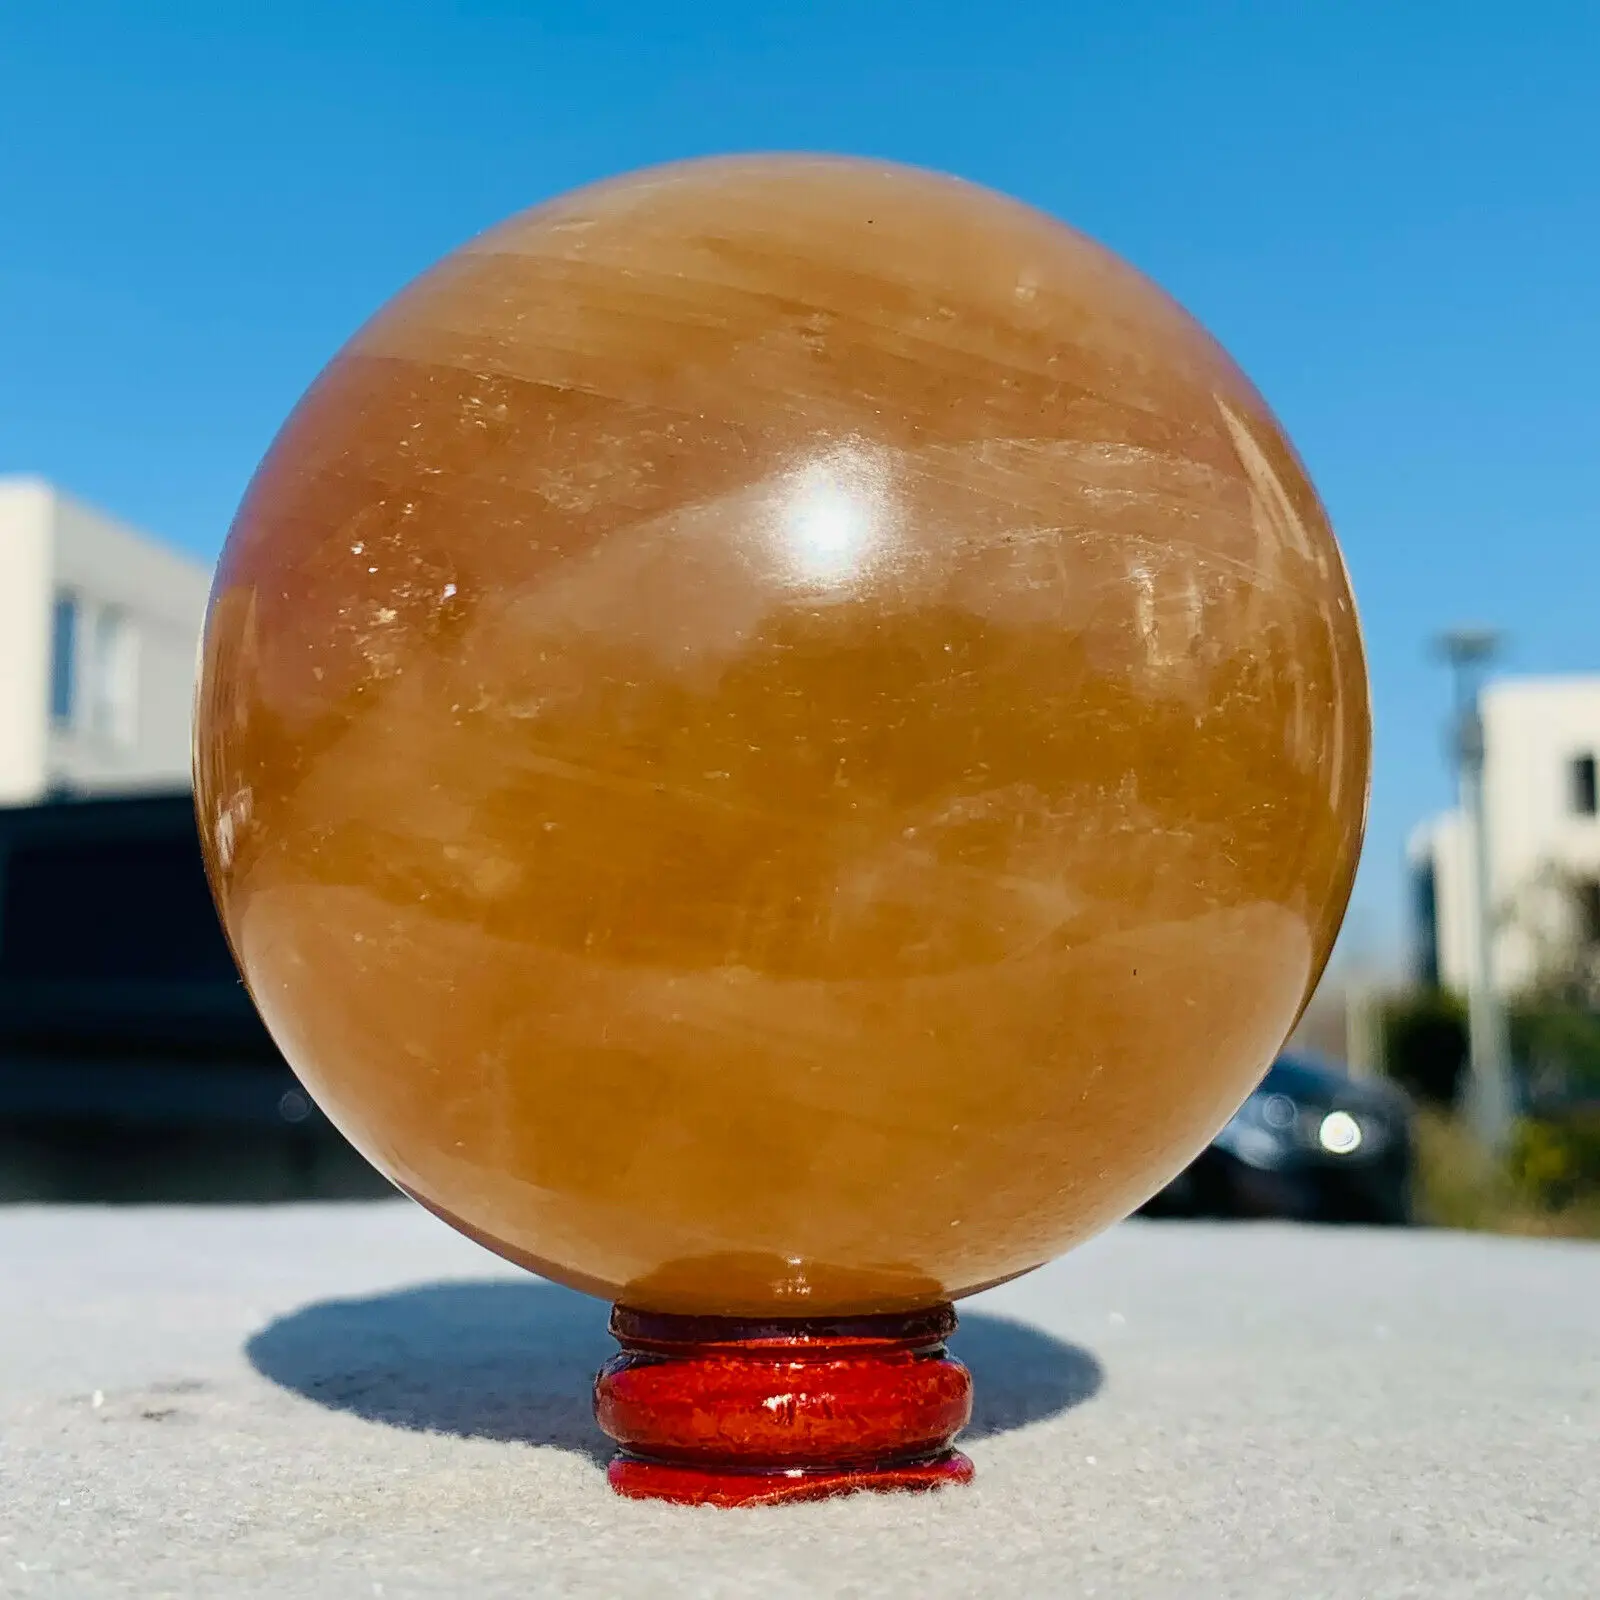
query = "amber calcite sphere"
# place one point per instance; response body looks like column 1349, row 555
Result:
column 781, row 736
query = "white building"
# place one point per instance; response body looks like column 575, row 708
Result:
column 1541, row 742
column 99, row 627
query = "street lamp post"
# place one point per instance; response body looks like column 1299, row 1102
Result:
column 1489, row 1101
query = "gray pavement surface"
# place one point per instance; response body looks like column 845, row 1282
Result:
column 349, row 1400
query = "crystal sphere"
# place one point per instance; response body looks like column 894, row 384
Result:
column 781, row 736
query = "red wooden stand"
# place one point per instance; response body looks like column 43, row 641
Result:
column 729, row 1412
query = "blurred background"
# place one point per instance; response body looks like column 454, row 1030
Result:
column 1388, row 214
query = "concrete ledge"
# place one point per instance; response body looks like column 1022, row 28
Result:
column 332, row 1400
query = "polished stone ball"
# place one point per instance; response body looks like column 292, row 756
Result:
column 781, row 735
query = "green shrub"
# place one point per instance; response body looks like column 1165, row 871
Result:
column 1425, row 1044
column 1554, row 1045
column 1559, row 1047
column 1548, row 1184
column 1555, row 1162
column 1457, row 1184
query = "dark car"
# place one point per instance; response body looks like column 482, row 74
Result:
column 1310, row 1143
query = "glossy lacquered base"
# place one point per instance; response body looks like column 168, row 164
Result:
column 731, row 1412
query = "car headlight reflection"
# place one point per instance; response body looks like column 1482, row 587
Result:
column 1277, row 1111
column 1339, row 1133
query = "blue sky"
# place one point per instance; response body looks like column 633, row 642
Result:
column 1389, row 212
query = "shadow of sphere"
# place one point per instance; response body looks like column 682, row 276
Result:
column 509, row 1361
column 1020, row 1374
column 516, row 1362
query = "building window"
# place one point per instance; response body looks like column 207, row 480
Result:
column 1583, row 785
column 64, row 661
column 114, row 663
